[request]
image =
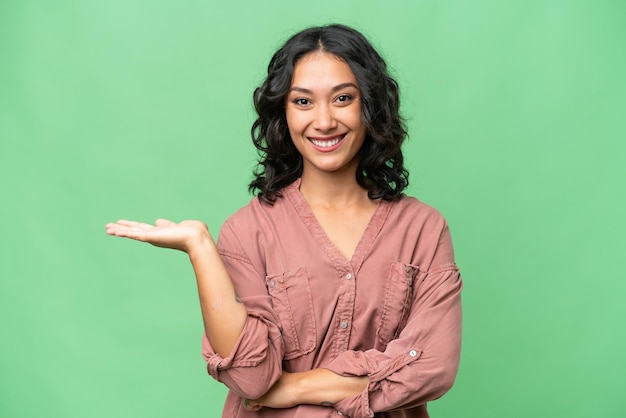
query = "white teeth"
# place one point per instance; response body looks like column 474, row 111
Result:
column 325, row 144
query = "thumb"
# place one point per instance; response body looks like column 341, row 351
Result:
column 164, row 223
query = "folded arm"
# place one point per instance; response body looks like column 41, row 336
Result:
column 421, row 364
column 313, row 387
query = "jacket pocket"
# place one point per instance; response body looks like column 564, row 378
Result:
column 293, row 304
column 398, row 300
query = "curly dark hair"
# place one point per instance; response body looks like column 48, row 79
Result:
column 380, row 169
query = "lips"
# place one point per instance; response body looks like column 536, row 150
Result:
column 326, row 144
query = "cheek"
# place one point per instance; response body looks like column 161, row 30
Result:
column 294, row 122
column 355, row 118
column 358, row 126
column 294, row 129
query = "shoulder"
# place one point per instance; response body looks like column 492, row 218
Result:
column 247, row 217
column 426, row 231
column 255, row 220
column 415, row 212
column 252, row 232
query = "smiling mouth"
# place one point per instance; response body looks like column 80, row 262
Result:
column 327, row 142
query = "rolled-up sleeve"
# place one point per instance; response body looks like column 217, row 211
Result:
column 421, row 364
column 255, row 363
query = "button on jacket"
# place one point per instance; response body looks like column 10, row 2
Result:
column 392, row 312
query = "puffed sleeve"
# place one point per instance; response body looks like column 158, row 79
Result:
column 421, row 364
column 255, row 362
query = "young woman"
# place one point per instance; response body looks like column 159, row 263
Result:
column 330, row 293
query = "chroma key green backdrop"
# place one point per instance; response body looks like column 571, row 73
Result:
column 141, row 109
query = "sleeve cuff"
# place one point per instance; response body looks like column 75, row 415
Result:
column 249, row 351
column 358, row 363
column 357, row 406
column 374, row 364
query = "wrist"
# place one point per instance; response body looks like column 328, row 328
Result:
column 201, row 244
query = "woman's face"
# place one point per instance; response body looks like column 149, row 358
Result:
column 323, row 110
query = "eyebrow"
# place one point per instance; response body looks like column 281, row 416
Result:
column 334, row 89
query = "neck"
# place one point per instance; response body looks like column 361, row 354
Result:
column 332, row 190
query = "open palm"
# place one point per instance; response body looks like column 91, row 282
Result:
column 164, row 233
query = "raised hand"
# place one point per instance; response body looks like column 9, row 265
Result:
column 164, row 233
column 223, row 314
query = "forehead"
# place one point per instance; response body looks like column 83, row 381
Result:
column 321, row 69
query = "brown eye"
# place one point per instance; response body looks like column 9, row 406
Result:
column 301, row 102
column 344, row 98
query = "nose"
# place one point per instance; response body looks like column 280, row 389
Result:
column 324, row 118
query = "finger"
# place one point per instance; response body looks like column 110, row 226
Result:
column 112, row 225
column 133, row 233
column 118, row 227
column 141, row 225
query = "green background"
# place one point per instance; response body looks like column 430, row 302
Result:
column 142, row 109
